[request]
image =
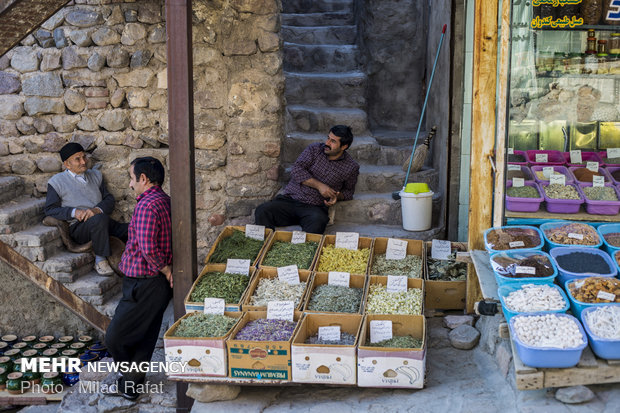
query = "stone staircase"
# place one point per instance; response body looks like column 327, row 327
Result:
column 325, row 86
column 21, row 229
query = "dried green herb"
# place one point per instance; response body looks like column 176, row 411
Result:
column 204, row 325
column 411, row 266
column 342, row 259
column 335, row 299
column 272, row 289
column 398, row 342
column 522, row 192
column 346, row 339
column 381, row 301
column 604, row 193
column 283, row 253
column 446, row 270
column 237, row 246
column 230, row 287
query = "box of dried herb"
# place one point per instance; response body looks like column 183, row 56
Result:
column 344, row 260
column 232, row 243
column 265, row 286
column 379, row 300
column 320, row 357
column 325, row 298
column 445, row 280
column 412, row 265
column 199, row 340
column 397, row 362
column 258, row 346
column 214, row 282
column 280, row 251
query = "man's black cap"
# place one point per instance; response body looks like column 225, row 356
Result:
column 70, row 149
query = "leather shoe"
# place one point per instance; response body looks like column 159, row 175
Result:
column 103, row 268
column 63, row 228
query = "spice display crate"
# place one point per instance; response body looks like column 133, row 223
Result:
column 525, row 228
column 195, row 306
column 286, row 236
column 411, row 283
column 363, row 242
column 325, row 363
column 557, row 168
column 269, row 360
column 585, row 157
column 205, row 356
column 608, row 229
column 227, row 232
column 603, row 155
column 610, row 171
column 602, row 171
column 523, row 204
column 605, row 348
column 505, row 290
column 577, row 306
column 444, row 295
column 414, row 247
column 393, row 367
column 525, row 170
column 321, row 278
column 519, row 255
column 565, row 275
column 562, row 206
column 522, row 153
column 553, row 157
column 271, row 272
column 555, row 224
column 595, row 207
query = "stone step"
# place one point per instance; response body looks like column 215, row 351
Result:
column 320, row 58
column 341, row 18
column 109, row 307
column 20, row 213
column 309, row 6
column 319, row 34
column 398, row 138
column 11, row 187
column 94, row 288
column 344, row 89
column 321, row 119
column 67, row 266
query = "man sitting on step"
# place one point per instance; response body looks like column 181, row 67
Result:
column 323, row 174
column 79, row 196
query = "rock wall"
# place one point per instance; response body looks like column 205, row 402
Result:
column 95, row 73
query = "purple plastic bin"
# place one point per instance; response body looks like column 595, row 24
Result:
column 585, row 157
column 603, row 172
column 601, row 207
column 553, row 157
column 602, row 155
column 562, row 206
column 557, row 168
column 610, row 170
column 522, row 153
column 529, row 176
column 519, row 204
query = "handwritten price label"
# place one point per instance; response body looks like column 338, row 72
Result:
column 598, row 181
column 547, row 171
column 604, row 295
column 592, row 166
column 380, row 330
column 514, row 167
column 575, row 156
column 518, row 182
column 238, row 266
column 348, row 240
column 557, row 179
column 396, row 283
column 255, row 232
column 299, row 237
column 575, row 235
column 396, row 249
column 440, row 249
column 613, row 152
column 329, row 333
column 338, row 278
column 511, row 151
column 525, row 270
column 516, row 244
column 542, row 157
column 280, row 310
column 214, row 305
column 289, row 274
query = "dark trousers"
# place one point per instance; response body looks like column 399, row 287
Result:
column 283, row 211
column 98, row 230
column 133, row 332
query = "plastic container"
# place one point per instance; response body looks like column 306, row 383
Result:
column 585, row 157
column 521, row 204
column 601, row 207
column 516, row 281
column 523, row 229
column 522, row 153
column 608, row 229
column 576, row 306
column 565, row 275
column 505, row 290
column 553, row 157
column 610, row 170
column 416, row 210
column 555, row 224
column 549, row 357
column 605, row 348
column 528, row 176
column 562, row 206
column 603, row 155
column 602, row 171
column 557, row 168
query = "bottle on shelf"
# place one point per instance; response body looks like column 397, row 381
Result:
column 603, row 57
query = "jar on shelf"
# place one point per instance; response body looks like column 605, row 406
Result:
column 591, row 11
column 590, row 65
column 614, row 44
column 603, row 57
column 575, row 64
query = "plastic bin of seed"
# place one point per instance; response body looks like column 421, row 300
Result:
column 583, row 174
column 607, row 161
column 541, row 176
column 562, row 199
column 592, row 292
column 214, row 282
column 232, row 243
column 601, row 200
column 523, row 267
column 614, row 173
column 411, row 266
column 602, row 325
column 532, row 298
column 512, row 237
column 381, row 301
column 519, row 171
column 585, row 157
column 581, row 262
column 610, row 235
column 342, row 259
column 553, row 157
column 517, row 158
column 265, row 287
column 281, row 252
column 526, row 198
column 325, row 298
column 564, row 233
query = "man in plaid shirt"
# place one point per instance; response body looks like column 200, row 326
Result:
column 147, row 265
column 323, row 174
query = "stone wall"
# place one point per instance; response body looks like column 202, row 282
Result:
column 95, row 73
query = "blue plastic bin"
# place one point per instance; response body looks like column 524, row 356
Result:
column 549, row 357
column 555, row 224
column 608, row 229
column 528, row 229
column 505, row 290
column 565, row 275
column 576, row 306
column 605, row 348
column 521, row 254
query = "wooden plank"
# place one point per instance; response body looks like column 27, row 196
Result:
column 520, row 368
column 503, row 330
column 587, row 359
column 530, row 381
column 613, row 362
column 575, row 376
column 486, row 277
column 582, row 215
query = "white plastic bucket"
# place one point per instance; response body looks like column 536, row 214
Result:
column 417, row 210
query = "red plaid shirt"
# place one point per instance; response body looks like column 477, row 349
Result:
column 149, row 247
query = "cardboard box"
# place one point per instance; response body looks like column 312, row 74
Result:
column 324, row 363
column 393, row 367
column 249, row 359
column 196, row 306
column 321, row 278
column 379, row 279
column 206, row 356
column 272, row 272
column 362, row 243
column 227, row 232
column 414, row 247
column 444, row 295
column 286, row 236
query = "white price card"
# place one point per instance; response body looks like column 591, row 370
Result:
column 338, row 278
column 579, row 284
column 299, row 237
column 396, row 283
column 575, row 235
column 255, row 232
column 380, row 330
column 514, row 167
column 396, row 249
column 280, row 310
column 440, row 249
column 557, row 179
column 329, row 333
column 598, row 181
column 525, row 270
column 542, row 157
column 547, row 171
column 604, row 295
column 238, row 266
column 348, row 240
column 511, row 151
column 516, row 244
column 613, row 152
column 518, row 182
column 592, row 166
column 575, row 156
column 214, row 305
column 289, row 274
